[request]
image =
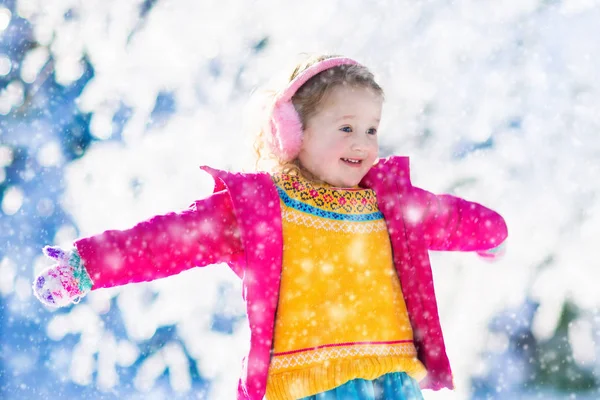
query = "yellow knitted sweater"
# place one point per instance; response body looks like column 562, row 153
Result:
column 341, row 313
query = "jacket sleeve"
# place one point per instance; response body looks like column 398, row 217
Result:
column 205, row 233
column 454, row 224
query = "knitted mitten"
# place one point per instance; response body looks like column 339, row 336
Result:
column 63, row 283
column 493, row 254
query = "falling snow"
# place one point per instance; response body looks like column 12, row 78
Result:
column 107, row 109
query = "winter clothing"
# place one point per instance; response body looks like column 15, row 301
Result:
column 286, row 127
column 241, row 225
column 341, row 313
column 64, row 283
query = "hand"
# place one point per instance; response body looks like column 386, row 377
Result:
column 493, row 254
column 63, row 283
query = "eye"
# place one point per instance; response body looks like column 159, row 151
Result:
column 372, row 131
column 346, row 129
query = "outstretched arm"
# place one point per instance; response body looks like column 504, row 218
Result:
column 451, row 223
column 164, row 245
column 205, row 233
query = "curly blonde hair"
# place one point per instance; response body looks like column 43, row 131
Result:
column 307, row 101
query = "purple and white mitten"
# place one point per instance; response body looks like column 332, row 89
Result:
column 63, row 283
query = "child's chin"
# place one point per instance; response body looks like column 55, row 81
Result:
column 348, row 184
column 345, row 180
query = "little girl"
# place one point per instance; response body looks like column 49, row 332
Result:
column 332, row 249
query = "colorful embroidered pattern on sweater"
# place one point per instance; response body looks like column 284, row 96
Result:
column 311, row 221
column 305, row 357
column 337, row 204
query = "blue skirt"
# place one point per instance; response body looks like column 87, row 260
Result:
column 392, row 386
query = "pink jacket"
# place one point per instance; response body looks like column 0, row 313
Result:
column 240, row 224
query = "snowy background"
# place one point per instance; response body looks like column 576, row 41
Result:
column 108, row 107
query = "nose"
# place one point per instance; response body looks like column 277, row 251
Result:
column 360, row 143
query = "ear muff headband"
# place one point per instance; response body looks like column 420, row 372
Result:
column 286, row 127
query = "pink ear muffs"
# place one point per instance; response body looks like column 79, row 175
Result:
column 286, row 127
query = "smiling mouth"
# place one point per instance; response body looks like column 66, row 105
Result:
column 352, row 161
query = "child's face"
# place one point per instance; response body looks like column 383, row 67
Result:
column 339, row 145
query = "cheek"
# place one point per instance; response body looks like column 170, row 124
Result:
column 375, row 146
column 324, row 148
column 327, row 146
column 337, row 143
